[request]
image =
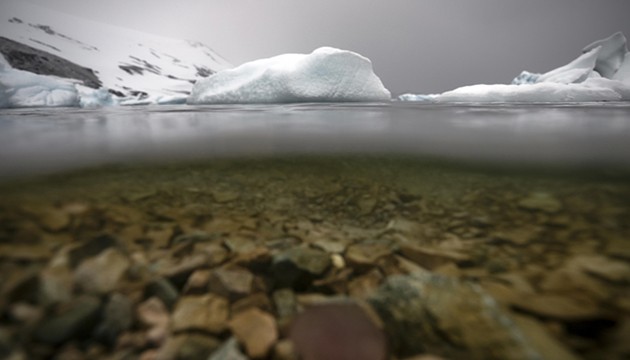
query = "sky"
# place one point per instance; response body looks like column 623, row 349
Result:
column 418, row 46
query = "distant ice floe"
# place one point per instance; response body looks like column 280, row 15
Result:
column 601, row 73
column 24, row 89
column 326, row 74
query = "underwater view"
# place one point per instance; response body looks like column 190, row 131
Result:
column 457, row 232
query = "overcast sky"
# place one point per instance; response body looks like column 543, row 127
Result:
column 416, row 46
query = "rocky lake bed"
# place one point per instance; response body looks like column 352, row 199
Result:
column 266, row 258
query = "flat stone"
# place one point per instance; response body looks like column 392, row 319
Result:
column 231, row 282
column 558, row 307
column 26, row 252
column 365, row 285
column 256, row 330
column 603, row 267
column 188, row 347
column 204, row 313
column 54, row 220
column 540, row 338
column 197, row 282
column 153, row 314
column 229, row 350
column 101, row 274
column 366, row 254
column 258, row 300
column 332, row 247
column 541, row 201
column 431, row 258
column 76, row 317
column 56, row 284
column 225, row 196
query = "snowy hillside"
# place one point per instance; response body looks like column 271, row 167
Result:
column 126, row 61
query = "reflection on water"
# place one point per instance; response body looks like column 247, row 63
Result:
column 44, row 140
column 459, row 230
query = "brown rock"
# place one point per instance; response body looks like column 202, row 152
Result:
column 197, row 282
column 365, row 285
column 153, row 314
column 231, row 282
column 54, row 220
column 557, row 307
column 284, row 350
column 602, row 267
column 188, row 347
column 256, row 330
column 542, row 340
column 258, row 300
column 101, row 274
column 541, row 201
column 206, row 313
column 366, row 254
column 431, row 258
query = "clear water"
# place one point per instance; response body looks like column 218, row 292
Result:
column 523, row 191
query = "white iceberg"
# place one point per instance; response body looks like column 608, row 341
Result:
column 24, row 89
column 538, row 93
column 94, row 98
column 611, row 55
column 601, row 73
column 325, row 75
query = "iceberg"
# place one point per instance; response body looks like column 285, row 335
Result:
column 538, row 93
column 24, row 89
column 325, row 75
column 601, row 73
column 611, row 55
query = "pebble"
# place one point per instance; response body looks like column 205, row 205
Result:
column 256, row 330
column 101, row 274
column 204, row 313
column 231, row 282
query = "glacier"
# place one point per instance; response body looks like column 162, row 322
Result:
column 20, row 88
column 327, row 74
column 600, row 73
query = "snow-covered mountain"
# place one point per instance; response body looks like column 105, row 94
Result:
column 130, row 63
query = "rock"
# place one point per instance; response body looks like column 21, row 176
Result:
column 296, row 267
column 285, row 303
column 337, row 261
column 541, row 201
column 101, row 274
column 204, row 313
column 365, row 285
column 117, row 317
column 75, row 318
column 197, row 282
column 558, row 307
column 540, row 338
column 228, row 351
column 256, row 330
column 56, row 284
column 284, row 350
column 258, row 300
column 431, row 258
column 153, row 314
column 337, row 330
column 518, row 237
column 225, row 196
column 231, row 282
column 54, row 220
column 602, row 267
column 90, row 249
column 332, row 247
column 163, row 290
column 188, row 347
column 450, row 318
column 366, row 254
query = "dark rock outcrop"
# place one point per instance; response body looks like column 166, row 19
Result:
column 24, row 57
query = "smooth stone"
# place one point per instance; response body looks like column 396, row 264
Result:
column 256, row 330
column 229, row 350
column 231, row 282
column 101, row 274
column 541, row 202
column 117, row 317
column 77, row 317
column 204, row 313
column 153, row 314
column 298, row 266
column 366, row 254
column 188, row 347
